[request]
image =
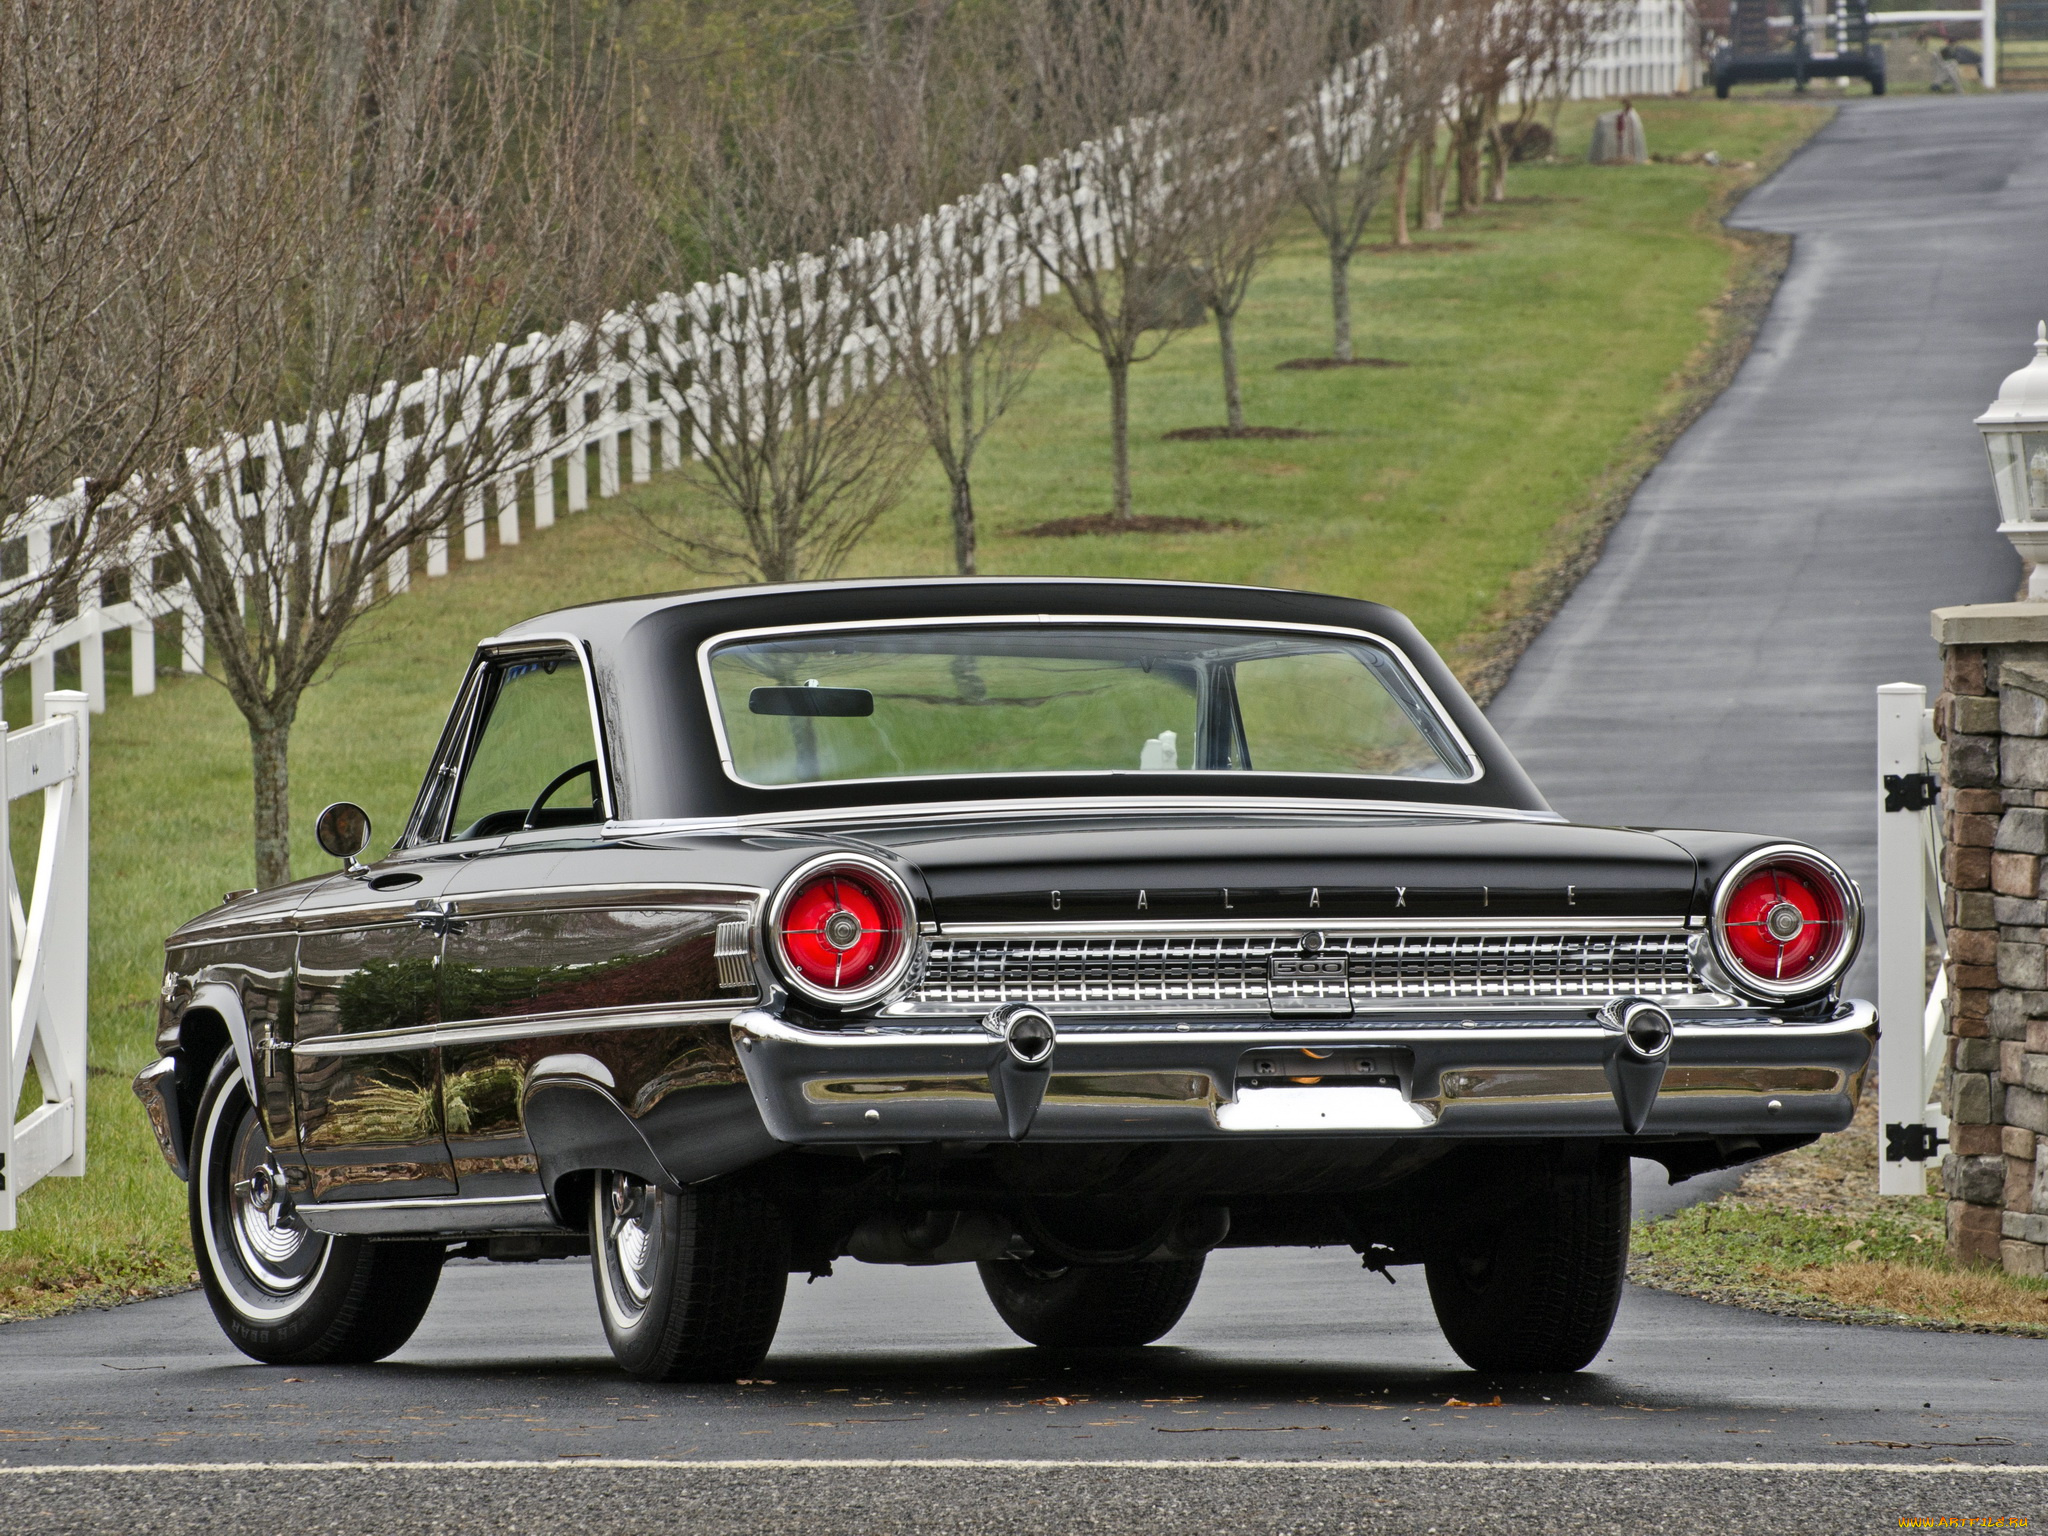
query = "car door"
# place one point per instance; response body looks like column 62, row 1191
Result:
column 526, row 779
column 554, row 946
column 368, row 1072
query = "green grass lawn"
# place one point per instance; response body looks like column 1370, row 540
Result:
column 1536, row 358
column 1888, row 1264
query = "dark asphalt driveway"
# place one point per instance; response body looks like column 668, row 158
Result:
column 1715, row 670
column 1718, row 667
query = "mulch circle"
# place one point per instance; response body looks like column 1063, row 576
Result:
column 1103, row 522
column 1221, row 434
column 1423, row 247
column 1318, row 364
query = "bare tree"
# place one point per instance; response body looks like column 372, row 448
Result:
column 1384, row 66
column 1245, row 173
column 1533, row 47
column 780, row 364
column 402, row 217
column 107, row 320
column 1112, row 98
column 1564, row 34
column 951, row 311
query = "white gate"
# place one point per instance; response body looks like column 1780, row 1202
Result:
column 1912, row 1017
column 43, row 953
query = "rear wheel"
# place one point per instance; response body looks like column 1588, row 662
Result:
column 690, row 1284
column 1537, row 1291
column 281, row 1292
column 1100, row 1306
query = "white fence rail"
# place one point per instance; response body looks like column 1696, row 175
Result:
column 1655, row 54
column 625, row 409
column 43, row 953
column 1912, row 1016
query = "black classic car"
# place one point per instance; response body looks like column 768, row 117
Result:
column 1073, row 929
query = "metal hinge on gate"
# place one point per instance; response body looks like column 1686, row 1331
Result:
column 1910, row 791
column 1911, row 1143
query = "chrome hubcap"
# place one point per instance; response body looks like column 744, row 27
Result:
column 632, row 1240
column 258, row 1250
column 272, row 1245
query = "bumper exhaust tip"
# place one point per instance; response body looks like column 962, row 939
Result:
column 1645, row 1027
column 1635, row 1066
column 1026, row 1030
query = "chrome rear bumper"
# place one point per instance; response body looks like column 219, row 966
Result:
column 1483, row 1076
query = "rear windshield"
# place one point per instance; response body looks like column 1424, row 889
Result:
column 1030, row 698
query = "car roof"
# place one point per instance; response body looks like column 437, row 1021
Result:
column 644, row 650
column 769, row 602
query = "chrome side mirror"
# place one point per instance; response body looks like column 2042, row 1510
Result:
column 343, row 829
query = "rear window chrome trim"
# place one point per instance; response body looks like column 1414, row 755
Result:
column 1443, row 720
column 1042, row 807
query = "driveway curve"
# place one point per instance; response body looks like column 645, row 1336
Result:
column 1717, row 668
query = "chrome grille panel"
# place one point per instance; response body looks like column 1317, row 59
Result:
column 1230, row 972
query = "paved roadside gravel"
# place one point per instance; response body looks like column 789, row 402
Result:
column 1249, row 1499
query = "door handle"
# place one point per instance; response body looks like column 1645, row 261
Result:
column 436, row 917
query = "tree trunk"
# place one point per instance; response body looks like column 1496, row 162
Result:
column 1497, row 146
column 1120, row 438
column 1233, row 398
column 270, row 756
column 1432, row 182
column 1340, row 305
column 1401, row 195
column 1469, row 171
column 963, row 522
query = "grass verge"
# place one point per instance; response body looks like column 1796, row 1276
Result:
column 1805, row 1235
column 1553, row 342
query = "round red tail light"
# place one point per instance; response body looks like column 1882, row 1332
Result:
column 841, row 931
column 1786, row 922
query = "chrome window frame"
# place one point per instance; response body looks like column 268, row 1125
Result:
column 1217, row 776
column 458, row 741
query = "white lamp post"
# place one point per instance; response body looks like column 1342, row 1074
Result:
column 2016, row 433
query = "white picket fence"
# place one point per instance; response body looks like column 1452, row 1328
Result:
column 1656, row 54
column 626, row 409
column 1913, row 1016
column 43, row 952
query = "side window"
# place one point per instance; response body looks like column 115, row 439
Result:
column 535, row 762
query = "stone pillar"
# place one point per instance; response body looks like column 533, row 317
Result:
column 1992, row 718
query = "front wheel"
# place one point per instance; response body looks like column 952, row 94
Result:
column 1537, row 1292
column 1098, row 1306
column 689, row 1284
column 281, row 1292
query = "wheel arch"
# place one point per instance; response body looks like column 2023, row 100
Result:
column 213, row 1022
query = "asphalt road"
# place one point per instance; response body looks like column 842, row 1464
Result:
column 1715, row 670
column 1335, row 1380
column 1718, row 667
